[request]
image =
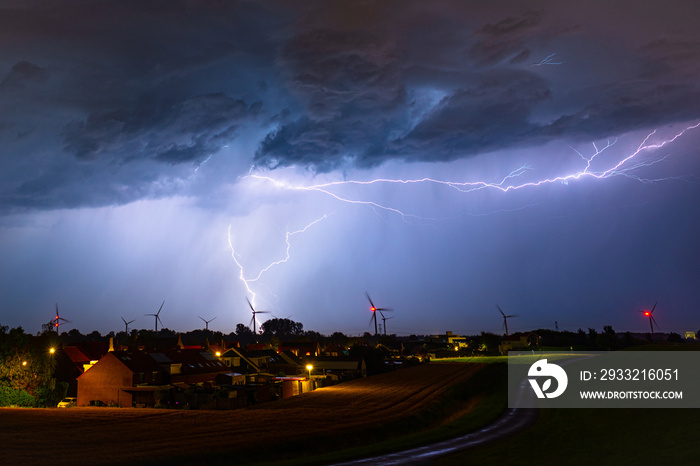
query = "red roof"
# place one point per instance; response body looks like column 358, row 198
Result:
column 76, row 355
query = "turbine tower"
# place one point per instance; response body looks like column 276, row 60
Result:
column 374, row 310
column 384, row 319
column 157, row 316
column 505, row 318
column 126, row 324
column 253, row 320
column 206, row 322
column 650, row 315
column 58, row 320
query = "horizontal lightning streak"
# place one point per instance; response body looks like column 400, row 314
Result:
column 621, row 168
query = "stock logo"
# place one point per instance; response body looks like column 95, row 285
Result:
column 542, row 369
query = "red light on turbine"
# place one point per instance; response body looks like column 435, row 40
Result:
column 647, row 313
column 372, row 308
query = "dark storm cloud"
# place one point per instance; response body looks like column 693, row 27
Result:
column 362, row 91
column 504, row 40
column 150, row 86
column 187, row 131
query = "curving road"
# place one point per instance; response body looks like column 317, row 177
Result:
column 512, row 421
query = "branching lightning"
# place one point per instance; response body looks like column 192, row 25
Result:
column 624, row 167
column 549, row 60
column 598, row 165
column 242, row 275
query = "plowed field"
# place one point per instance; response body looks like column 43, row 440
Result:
column 113, row 435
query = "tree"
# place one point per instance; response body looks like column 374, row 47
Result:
column 243, row 331
column 26, row 367
column 282, row 328
column 608, row 339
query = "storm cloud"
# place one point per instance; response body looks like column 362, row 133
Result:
column 325, row 86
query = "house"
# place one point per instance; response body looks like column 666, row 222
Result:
column 191, row 366
column 237, row 359
column 519, row 341
column 287, row 363
column 450, row 339
column 335, row 350
column 340, row 368
column 122, row 378
column 301, row 348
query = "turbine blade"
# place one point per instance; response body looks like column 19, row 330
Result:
column 124, row 320
column 370, row 300
column 513, row 315
column 131, row 321
column 202, row 318
column 249, row 304
column 161, row 307
column 212, row 318
column 500, row 310
column 652, row 309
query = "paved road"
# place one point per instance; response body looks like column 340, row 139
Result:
column 511, row 422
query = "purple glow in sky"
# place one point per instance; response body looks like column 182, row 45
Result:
column 203, row 153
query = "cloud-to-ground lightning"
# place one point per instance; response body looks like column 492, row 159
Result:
column 242, row 275
column 625, row 166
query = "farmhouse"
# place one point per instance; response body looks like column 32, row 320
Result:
column 121, row 378
column 519, row 341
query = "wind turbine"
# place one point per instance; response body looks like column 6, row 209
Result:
column 384, row 319
column 126, row 330
column 58, row 321
column 650, row 315
column 505, row 318
column 374, row 310
column 157, row 316
column 255, row 322
column 207, row 322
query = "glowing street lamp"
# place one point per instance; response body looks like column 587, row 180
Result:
column 309, row 367
column 52, row 350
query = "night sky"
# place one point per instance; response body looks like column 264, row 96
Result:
column 172, row 150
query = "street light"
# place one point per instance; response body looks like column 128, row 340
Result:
column 52, row 350
column 309, row 367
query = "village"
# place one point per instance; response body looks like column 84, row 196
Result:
column 165, row 372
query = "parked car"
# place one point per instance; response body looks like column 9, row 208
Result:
column 68, row 402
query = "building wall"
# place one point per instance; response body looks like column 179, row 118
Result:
column 103, row 381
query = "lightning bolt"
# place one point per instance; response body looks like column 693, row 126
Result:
column 548, row 61
column 623, row 167
column 242, row 275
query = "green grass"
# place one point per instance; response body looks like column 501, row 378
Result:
column 522, row 359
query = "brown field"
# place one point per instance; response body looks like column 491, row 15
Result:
column 126, row 435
